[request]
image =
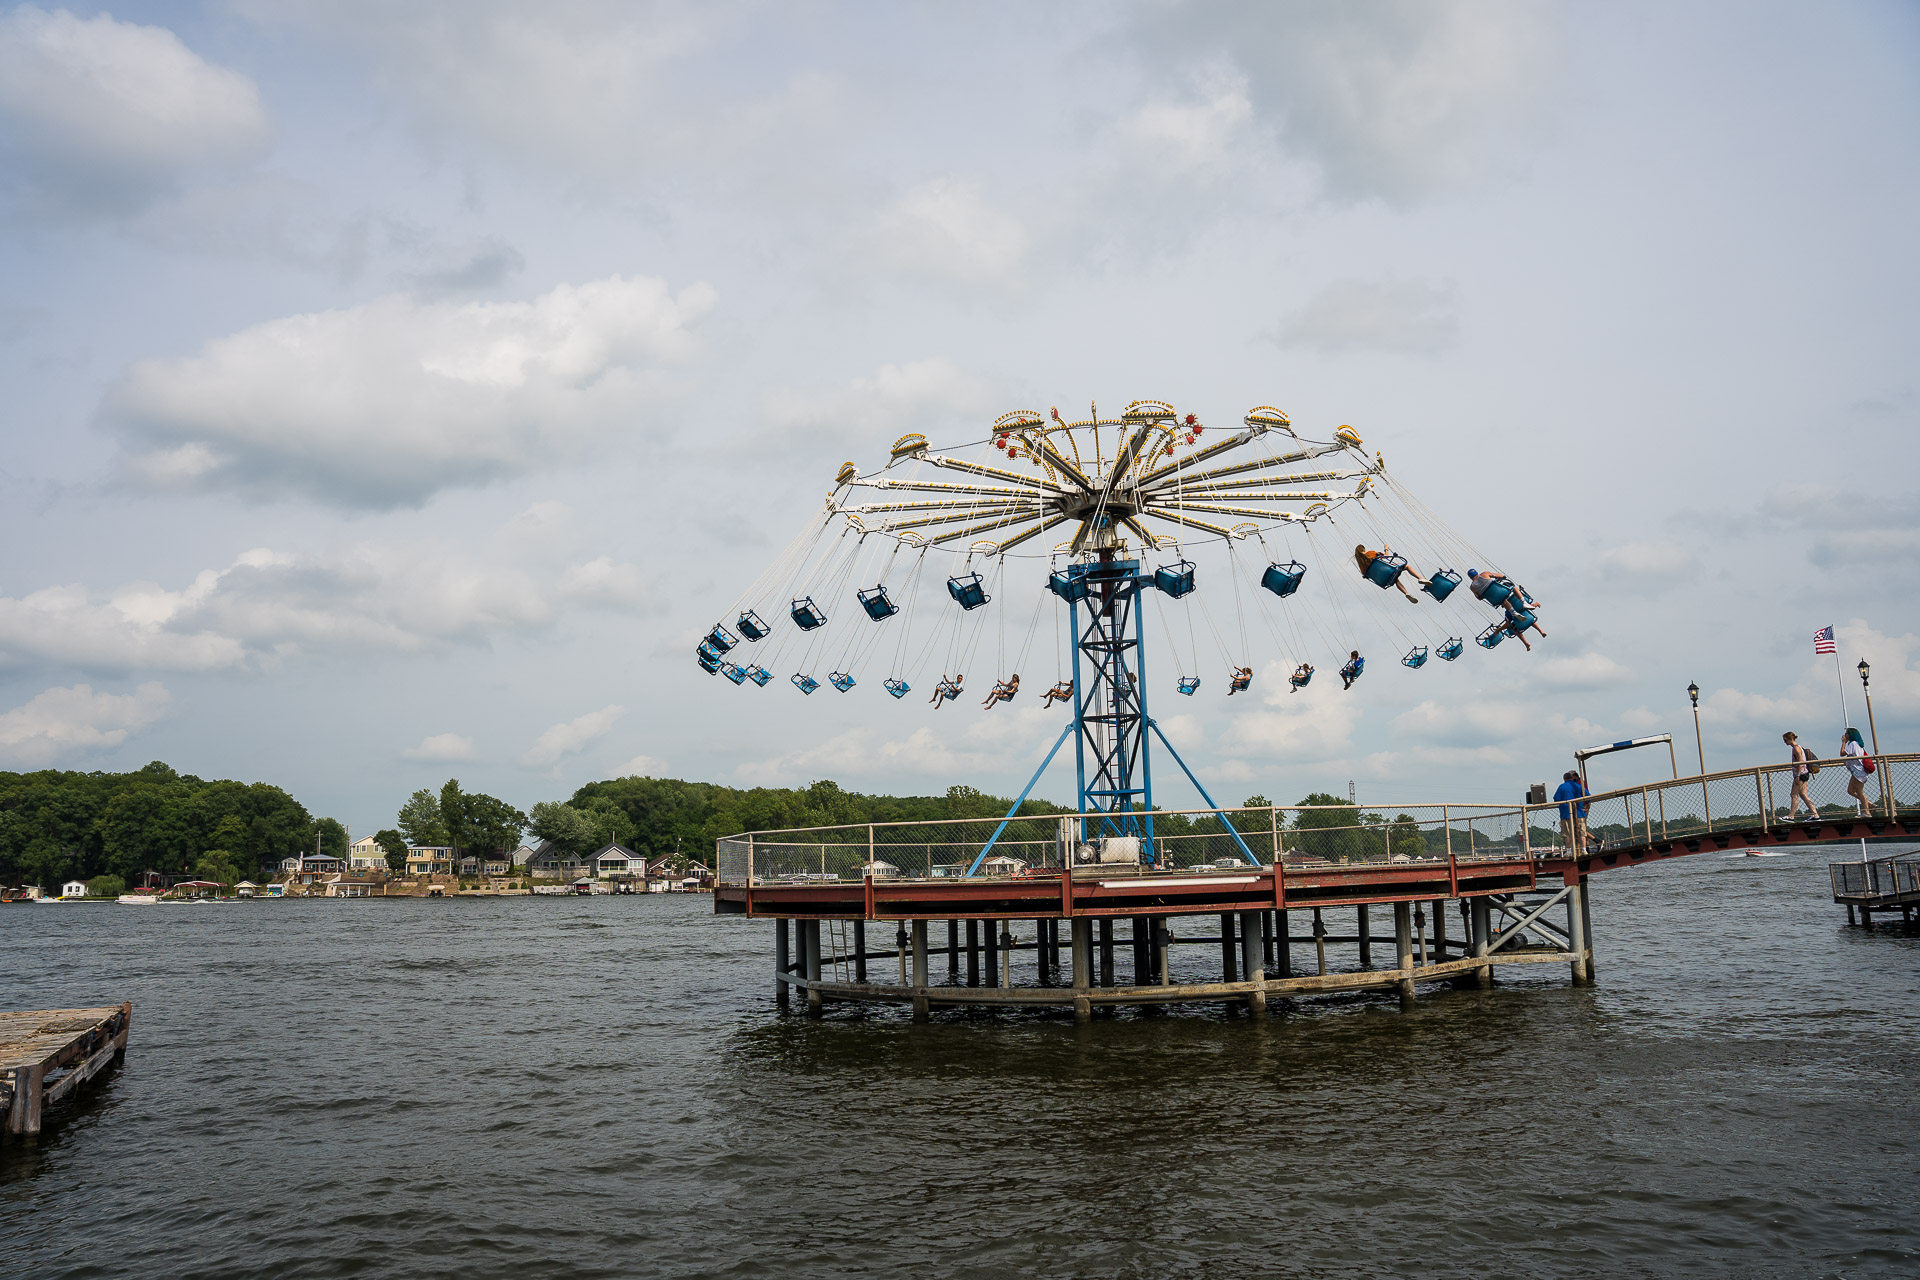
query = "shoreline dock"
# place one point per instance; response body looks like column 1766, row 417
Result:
column 46, row 1055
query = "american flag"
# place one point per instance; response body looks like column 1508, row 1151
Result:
column 1823, row 640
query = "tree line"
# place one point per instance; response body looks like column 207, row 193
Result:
column 60, row 825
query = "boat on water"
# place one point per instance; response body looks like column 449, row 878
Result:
column 139, row 899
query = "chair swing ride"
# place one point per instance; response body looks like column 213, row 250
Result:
column 1261, row 505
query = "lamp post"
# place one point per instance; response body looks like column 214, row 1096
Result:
column 1873, row 733
column 1706, row 801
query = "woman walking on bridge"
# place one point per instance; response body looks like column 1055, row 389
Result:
column 1853, row 750
column 1801, row 772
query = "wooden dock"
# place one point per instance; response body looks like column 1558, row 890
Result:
column 47, row 1054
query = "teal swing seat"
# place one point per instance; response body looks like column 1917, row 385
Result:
column 751, row 626
column 1442, row 584
column 897, row 687
column 1175, row 579
column 807, row 615
column 1451, row 649
column 967, row 590
column 1188, row 684
column 1283, row 579
column 759, row 675
column 1492, row 636
column 805, row 684
column 721, row 639
column 1383, row 571
column 841, row 681
column 1416, row 657
column 736, row 674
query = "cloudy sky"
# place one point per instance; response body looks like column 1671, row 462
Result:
column 397, row 390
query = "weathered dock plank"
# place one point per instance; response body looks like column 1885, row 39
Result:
column 47, row 1054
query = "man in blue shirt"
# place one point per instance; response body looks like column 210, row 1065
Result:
column 1573, row 816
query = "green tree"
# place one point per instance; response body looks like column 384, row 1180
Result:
column 395, row 846
column 453, row 814
column 567, row 829
column 333, row 838
column 1331, row 830
column 488, row 824
column 420, row 819
column 106, row 887
column 217, row 865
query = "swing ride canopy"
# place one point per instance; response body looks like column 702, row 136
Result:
column 1149, row 481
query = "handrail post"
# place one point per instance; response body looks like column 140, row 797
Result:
column 749, row 861
column 1760, row 798
column 1526, row 833
column 1706, row 803
column 1273, row 818
column 1646, row 815
column 1446, row 823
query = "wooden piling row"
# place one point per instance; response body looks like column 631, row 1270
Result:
column 46, row 1055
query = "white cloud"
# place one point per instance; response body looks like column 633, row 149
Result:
column 98, row 115
column 1578, row 672
column 1652, row 563
column 571, row 736
column 639, row 767
column 1194, row 132
column 1315, row 723
column 1408, row 317
column 1397, row 100
column 949, row 229
column 442, row 748
column 384, row 404
column 60, row 722
column 268, row 606
column 976, row 747
column 931, row 396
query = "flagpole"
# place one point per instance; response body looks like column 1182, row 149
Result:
column 1846, row 716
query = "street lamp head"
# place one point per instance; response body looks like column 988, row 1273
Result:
column 1693, row 692
column 1864, row 669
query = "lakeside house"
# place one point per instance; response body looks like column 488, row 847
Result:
column 522, row 855
column 74, row 889
column 610, row 863
column 310, row 867
column 429, row 860
column 366, row 854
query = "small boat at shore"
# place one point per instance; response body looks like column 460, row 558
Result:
column 139, row 899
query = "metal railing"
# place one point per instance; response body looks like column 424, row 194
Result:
column 1310, row 835
column 1880, row 878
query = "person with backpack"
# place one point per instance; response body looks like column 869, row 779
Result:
column 1803, row 767
column 1853, row 753
column 1572, row 795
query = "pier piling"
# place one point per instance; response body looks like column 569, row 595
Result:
column 1364, row 928
column 1403, row 950
column 1252, row 961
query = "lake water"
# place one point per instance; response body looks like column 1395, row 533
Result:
column 603, row 1087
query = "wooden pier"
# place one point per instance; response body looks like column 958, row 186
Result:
column 1890, row 886
column 1515, row 880
column 47, row 1054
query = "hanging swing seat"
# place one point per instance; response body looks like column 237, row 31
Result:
column 841, row 681
column 898, row 688
column 1451, row 649
column 1188, row 684
column 874, row 601
column 1519, row 620
column 1283, row 579
column 721, row 639
column 1498, row 592
column 1384, row 570
column 1066, row 584
column 1238, row 682
column 1301, row 678
column 1416, row 657
column 967, row 590
column 1351, row 671
column 1059, row 693
column 1441, row 585
column 805, row 684
column 709, row 662
column 1175, row 579
column 1492, row 636
column 807, row 615
column 736, row 674
column 751, row 626
column 759, row 675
